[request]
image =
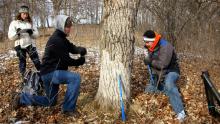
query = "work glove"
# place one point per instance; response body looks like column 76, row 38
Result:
column 29, row 31
column 83, row 51
column 148, row 59
column 18, row 31
column 81, row 60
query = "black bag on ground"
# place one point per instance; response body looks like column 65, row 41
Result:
column 32, row 83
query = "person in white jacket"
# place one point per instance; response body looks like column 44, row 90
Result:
column 22, row 31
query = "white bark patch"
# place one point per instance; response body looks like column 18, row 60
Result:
column 108, row 92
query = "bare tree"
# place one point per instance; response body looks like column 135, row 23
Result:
column 56, row 6
column 117, row 49
column 7, row 15
column 172, row 16
column 188, row 24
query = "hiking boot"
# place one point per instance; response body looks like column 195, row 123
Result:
column 15, row 103
column 150, row 89
column 181, row 116
column 75, row 113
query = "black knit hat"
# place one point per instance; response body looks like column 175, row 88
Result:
column 24, row 9
column 149, row 36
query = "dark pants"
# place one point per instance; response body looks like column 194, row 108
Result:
column 21, row 54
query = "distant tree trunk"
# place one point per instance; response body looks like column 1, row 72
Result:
column 56, row 6
column 74, row 10
column 37, row 22
column 117, row 49
column 170, row 28
column 65, row 7
column 7, row 16
column 97, row 12
column 69, row 7
column 42, row 21
column 48, row 24
column 102, row 13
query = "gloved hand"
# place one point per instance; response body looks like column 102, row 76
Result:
column 30, row 31
column 81, row 60
column 147, row 60
column 83, row 51
column 18, row 31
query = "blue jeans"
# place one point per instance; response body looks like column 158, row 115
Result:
column 172, row 92
column 169, row 88
column 51, row 82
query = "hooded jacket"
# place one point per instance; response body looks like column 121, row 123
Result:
column 24, row 40
column 58, row 47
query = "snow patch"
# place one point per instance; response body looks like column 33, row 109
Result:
column 4, row 57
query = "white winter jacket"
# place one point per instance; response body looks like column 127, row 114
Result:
column 24, row 40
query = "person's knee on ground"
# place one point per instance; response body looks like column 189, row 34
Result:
column 152, row 85
column 52, row 94
column 50, row 88
column 150, row 89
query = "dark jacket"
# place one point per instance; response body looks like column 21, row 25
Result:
column 164, row 58
column 56, row 56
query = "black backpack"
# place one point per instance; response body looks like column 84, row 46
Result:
column 32, row 83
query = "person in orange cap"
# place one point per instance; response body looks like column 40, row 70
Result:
column 161, row 57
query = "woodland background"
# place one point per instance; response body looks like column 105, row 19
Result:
column 193, row 26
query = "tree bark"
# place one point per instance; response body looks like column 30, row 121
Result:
column 117, row 49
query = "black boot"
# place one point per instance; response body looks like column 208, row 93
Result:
column 15, row 101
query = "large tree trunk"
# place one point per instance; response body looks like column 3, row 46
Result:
column 117, row 49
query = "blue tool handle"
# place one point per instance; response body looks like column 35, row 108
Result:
column 151, row 76
column 121, row 99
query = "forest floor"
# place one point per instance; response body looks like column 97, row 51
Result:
column 144, row 108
